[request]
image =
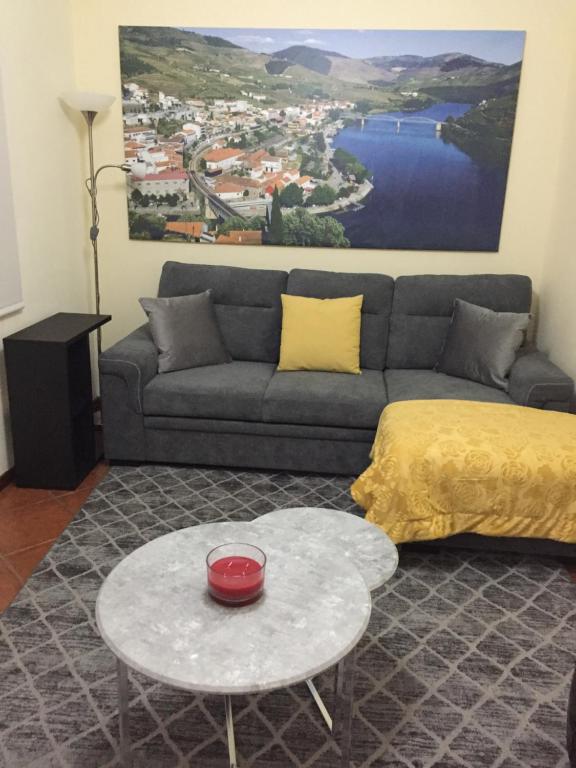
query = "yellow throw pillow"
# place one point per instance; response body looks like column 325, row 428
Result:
column 320, row 334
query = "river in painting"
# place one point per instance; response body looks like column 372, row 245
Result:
column 428, row 194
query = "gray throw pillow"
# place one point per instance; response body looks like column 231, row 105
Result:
column 481, row 344
column 185, row 331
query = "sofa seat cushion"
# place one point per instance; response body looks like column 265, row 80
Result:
column 229, row 391
column 325, row 399
column 412, row 384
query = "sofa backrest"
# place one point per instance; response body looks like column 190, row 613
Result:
column 423, row 304
column 404, row 322
column 247, row 303
column 376, row 307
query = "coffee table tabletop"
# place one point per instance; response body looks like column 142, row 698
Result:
column 154, row 613
column 362, row 543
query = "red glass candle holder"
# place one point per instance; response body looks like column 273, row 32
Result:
column 236, row 573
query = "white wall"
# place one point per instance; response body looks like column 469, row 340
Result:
column 36, row 62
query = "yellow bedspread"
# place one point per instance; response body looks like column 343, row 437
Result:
column 441, row 467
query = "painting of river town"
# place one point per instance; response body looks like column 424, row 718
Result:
column 333, row 138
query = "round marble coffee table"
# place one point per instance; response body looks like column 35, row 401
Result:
column 363, row 543
column 154, row 613
column 360, row 542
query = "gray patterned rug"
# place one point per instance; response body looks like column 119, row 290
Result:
column 466, row 660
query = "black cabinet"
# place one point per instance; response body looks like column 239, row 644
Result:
column 50, row 399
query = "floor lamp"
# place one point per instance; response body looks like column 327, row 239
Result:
column 90, row 104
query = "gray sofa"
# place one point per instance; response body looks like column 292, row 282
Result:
column 248, row 414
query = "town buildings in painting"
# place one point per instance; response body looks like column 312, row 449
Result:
column 210, row 171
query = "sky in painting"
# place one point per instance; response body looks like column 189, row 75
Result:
column 499, row 46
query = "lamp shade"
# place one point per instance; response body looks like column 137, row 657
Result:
column 87, row 101
column 139, row 170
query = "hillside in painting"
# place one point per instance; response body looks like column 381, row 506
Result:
column 189, row 65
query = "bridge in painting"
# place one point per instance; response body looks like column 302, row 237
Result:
column 410, row 120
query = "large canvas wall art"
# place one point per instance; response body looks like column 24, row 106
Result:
column 333, row 138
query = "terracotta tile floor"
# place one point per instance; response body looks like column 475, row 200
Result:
column 30, row 522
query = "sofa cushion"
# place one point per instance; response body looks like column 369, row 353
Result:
column 247, row 303
column 230, row 391
column 185, row 331
column 429, row 385
column 320, row 334
column 423, row 306
column 481, row 344
column 376, row 307
column 327, row 399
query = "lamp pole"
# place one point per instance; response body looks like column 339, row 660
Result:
column 93, row 192
column 90, row 104
column 91, row 184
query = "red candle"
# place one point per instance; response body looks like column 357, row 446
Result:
column 235, row 578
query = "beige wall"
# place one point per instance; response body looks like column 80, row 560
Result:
column 36, row 65
column 536, row 155
column 557, row 326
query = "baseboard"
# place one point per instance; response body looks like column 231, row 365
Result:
column 6, row 478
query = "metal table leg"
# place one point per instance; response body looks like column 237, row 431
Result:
column 123, row 714
column 335, row 698
column 320, row 703
column 321, row 706
column 230, row 732
column 344, row 707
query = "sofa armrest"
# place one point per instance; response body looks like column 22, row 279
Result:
column 125, row 369
column 133, row 359
column 537, row 382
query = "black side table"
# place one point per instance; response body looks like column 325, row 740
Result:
column 50, row 398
